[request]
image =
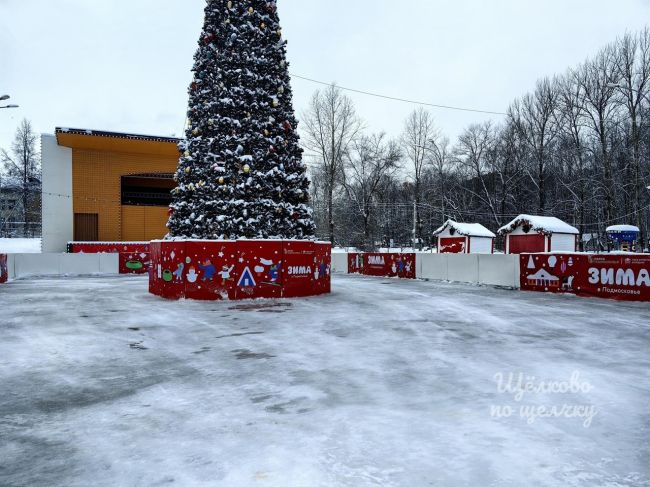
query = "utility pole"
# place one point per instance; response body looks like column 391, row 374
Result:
column 415, row 224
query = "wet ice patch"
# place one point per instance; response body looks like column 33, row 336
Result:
column 248, row 355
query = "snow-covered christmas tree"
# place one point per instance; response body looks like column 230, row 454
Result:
column 241, row 173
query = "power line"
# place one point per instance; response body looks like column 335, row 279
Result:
column 394, row 98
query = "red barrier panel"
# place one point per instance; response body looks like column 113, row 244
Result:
column 382, row 265
column 243, row 269
column 307, row 267
column 134, row 256
column 259, row 269
column 168, row 276
column 622, row 277
column 389, row 265
column 4, row 272
column 355, row 263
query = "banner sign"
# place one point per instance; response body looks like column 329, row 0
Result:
column 243, row 269
column 382, row 264
column 452, row 245
column 134, row 256
column 4, row 272
column 612, row 276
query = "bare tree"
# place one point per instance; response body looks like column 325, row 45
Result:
column 370, row 161
column 534, row 116
column 441, row 157
column 577, row 147
column 598, row 78
column 633, row 71
column 419, row 131
column 473, row 150
column 570, row 118
column 22, row 165
column 506, row 164
column 330, row 124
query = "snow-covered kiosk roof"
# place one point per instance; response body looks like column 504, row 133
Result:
column 465, row 229
column 547, row 225
column 623, row 228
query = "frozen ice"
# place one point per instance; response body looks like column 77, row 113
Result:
column 384, row 382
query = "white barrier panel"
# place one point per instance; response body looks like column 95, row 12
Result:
column 79, row 264
column 11, row 266
column 26, row 265
column 109, row 263
column 339, row 262
column 492, row 270
column 432, row 266
column 36, row 264
column 462, row 268
column 499, row 270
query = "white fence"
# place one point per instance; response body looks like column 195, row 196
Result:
column 492, row 270
column 26, row 265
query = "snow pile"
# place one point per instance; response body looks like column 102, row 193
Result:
column 20, row 245
column 466, row 229
column 543, row 224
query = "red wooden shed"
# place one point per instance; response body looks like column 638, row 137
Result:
column 464, row 238
column 535, row 234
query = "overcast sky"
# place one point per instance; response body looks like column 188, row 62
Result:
column 124, row 65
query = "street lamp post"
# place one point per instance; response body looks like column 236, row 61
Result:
column 5, row 98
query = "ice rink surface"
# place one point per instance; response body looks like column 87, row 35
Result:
column 382, row 383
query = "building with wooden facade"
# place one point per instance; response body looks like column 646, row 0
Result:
column 105, row 186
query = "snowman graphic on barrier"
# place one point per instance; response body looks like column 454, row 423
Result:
column 225, row 273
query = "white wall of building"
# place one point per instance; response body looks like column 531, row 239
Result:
column 58, row 215
column 480, row 245
column 563, row 242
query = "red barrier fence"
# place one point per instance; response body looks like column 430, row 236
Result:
column 243, row 269
column 4, row 271
column 382, row 265
column 622, row 277
column 134, row 256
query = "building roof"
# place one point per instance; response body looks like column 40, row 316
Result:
column 116, row 135
column 101, row 140
column 466, row 229
column 541, row 224
column 623, row 228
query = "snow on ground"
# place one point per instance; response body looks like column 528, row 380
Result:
column 382, row 383
column 20, row 245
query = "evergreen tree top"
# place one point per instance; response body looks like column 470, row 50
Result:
column 241, row 174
